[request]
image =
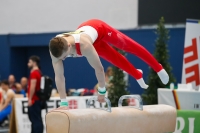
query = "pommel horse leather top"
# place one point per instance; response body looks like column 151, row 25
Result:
column 152, row 119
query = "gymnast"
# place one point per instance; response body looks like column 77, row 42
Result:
column 91, row 40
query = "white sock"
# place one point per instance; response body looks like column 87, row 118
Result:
column 142, row 83
column 163, row 76
column 140, row 70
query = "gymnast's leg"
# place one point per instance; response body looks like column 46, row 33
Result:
column 125, row 43
column 111, row 55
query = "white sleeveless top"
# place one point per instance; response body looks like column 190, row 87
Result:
column 90, row 31
column 5, row 95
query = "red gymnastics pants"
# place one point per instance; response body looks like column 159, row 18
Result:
column 108, row 35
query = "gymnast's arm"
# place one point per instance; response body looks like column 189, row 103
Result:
column 59, row 76
column 90, row 53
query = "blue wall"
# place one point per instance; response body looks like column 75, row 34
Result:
column 4, row 56
column 16, row 49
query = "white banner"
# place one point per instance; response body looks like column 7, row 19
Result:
column 180, row 99
column 21, row 109
column 191, row 59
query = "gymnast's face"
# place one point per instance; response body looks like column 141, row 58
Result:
column 65, row 54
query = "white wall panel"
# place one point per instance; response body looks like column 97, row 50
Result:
column 41, row 16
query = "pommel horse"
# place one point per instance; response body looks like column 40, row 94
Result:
column 121, row 119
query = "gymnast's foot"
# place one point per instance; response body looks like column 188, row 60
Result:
column 141, row 81
column 164, row 77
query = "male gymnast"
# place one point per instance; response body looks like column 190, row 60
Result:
column 91, row 40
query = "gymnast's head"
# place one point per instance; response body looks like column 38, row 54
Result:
column 59, row 47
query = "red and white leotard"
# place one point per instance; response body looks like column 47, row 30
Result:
column 103, row 35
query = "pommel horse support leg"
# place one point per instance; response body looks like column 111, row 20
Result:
column 139, row 119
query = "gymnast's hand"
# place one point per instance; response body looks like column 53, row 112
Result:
column 101, row 98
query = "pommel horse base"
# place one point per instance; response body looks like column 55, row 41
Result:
column 141, row 119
